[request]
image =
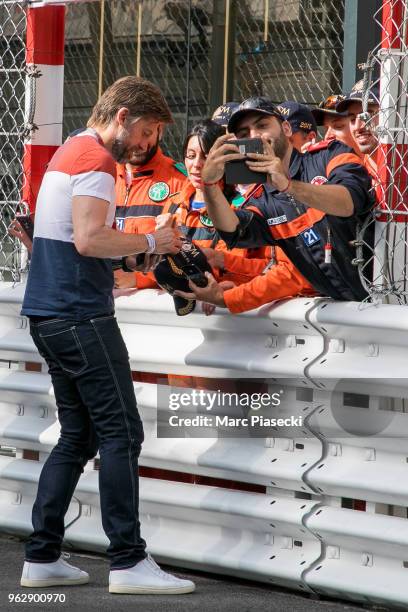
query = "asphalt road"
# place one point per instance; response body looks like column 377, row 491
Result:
column 213, row 594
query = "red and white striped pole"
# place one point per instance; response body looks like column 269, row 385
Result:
column 392, row 159
column 44, row 94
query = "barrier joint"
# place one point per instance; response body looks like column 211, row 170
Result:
column 17, row 499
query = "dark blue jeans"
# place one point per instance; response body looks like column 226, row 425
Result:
column 89, row 367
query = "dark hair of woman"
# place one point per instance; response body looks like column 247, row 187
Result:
column 207, row 132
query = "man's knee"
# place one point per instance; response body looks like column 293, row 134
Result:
column 78, row 449
column 118, row 443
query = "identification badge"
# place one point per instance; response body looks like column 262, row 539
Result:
column 277, row 220
column 310, row 237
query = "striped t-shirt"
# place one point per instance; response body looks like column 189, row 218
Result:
column 61, row 282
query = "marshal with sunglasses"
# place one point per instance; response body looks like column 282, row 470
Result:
column 328, row 107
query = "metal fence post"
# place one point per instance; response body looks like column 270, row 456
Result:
column 229, row 82
column 106, row 76
column 101, row 47
column 139, row 37
column 222, row 87
column 187, row 104
column 361, row 34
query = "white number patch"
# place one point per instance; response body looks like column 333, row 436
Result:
column 310, row 236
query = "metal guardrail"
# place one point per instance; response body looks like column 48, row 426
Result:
column 299, row 532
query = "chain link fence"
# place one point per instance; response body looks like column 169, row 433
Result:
column 384, row 270
column 288, row 50
column 165, row 42
column 12, row 87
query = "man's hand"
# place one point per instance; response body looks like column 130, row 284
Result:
column 306, row 146
column 165, row 220
column 16, row 229
column 168, row 240
column 271, row 164
column 124, row 292
column 219, row 154
column 207, row 308
column 124, row 280
column 213, row 293
column 214, row 258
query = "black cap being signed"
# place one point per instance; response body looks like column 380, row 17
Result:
column 174, row 271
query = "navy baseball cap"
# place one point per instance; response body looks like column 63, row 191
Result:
column 258, row 104
column 223, row 113
column 298, row 115
column 356, row 95
column 329, row 106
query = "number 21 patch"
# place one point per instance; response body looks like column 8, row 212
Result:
column 310, row 236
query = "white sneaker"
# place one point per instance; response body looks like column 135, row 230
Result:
column 52, row 574
column 146, row 577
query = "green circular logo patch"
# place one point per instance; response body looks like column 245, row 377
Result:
column 159, row 192
column 205, row 220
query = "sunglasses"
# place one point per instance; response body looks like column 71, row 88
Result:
column 331, row 102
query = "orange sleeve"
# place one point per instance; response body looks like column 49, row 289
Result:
column 281, row 281
column 243, row 265
column 145, row 281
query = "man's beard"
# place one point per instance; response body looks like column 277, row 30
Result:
column 280, row 144
column 148, row 155
column 119, row 146
column 123, row 155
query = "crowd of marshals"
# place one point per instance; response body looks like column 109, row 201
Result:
column 294, row 235
column 315, row 226
column 309, row 215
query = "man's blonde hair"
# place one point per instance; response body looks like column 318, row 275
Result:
column 142, row 98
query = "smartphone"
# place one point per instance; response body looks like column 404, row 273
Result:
column 237, row 172
column 194, row 274
column 27, row 223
